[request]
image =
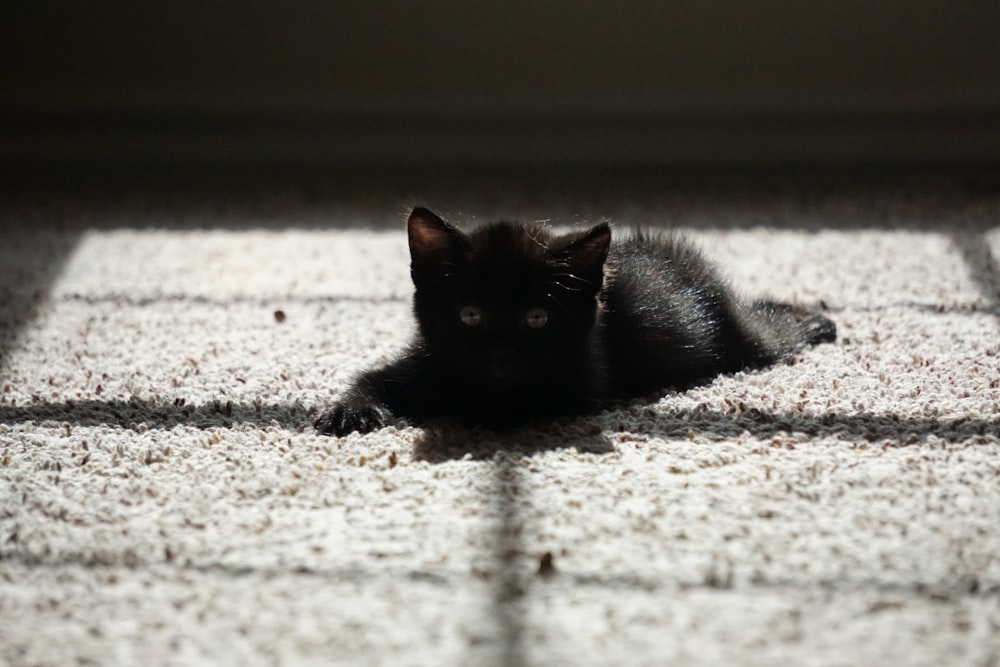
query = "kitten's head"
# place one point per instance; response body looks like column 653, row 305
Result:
column 508, row 303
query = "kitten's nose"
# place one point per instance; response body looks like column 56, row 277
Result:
column 502, row 362
column 501, row 356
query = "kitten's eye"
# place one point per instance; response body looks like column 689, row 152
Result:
column 536, row 318
column 470, row 315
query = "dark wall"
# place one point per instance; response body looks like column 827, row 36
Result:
column 715, row 81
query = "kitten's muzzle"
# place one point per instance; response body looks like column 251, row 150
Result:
column 503, row 364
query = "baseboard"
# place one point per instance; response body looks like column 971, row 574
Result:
column 546, row 137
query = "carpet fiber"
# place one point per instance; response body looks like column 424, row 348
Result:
column 164, row 501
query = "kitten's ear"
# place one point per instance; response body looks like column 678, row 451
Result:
column 435, row 246
column 589, row 251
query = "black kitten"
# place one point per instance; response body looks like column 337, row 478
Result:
column 515, row 324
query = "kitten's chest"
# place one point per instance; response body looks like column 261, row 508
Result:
column 479, row 398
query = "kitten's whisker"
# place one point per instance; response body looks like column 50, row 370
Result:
column 572, row 276
column 566, row 287
column 559, row 278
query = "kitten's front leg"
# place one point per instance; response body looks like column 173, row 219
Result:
column 373, row 399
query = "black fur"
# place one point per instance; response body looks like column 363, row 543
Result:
column 516, row 324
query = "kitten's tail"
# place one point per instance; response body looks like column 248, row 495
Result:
column 813, row 328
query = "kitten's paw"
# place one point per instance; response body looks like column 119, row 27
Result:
column 347, row 418
column 813, row 327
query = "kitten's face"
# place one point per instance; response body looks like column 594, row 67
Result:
column 505, row 305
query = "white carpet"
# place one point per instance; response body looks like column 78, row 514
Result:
column 163, row 500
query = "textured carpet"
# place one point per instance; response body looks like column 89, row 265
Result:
column 164, row 501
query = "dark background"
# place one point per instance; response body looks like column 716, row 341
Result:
column 716, row 82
